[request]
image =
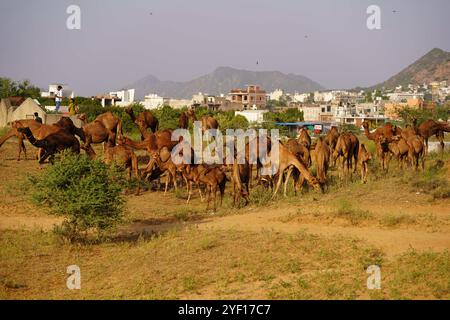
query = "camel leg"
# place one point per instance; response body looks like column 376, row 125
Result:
column 21, row 148
column 189, row 188
column 288, row 175
column 280, row 177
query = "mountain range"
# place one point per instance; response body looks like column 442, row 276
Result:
column 433, row 66
column 222, row 80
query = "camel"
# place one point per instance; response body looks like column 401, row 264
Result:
column 144, row 120
column 388, row 130
column 412, row 149
column 416, row 151
column 215, row 180
column 161, row 160
column 398, row 147
column 183, row 122
column 347, row 147
column 429, row 128
column 104, row 129
column 208, row 122
column 364, row 157
column 300, row 150
column 40, row 131
column 322, row 158
column 331, row 140
column 288, row 160
column 125, row 157
column 240, row 176
column 53, row 143
column 190, row 173
column 304, row 138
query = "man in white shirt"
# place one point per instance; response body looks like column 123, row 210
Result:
column 58, row 98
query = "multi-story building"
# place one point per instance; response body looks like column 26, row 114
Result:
column 253, row 97
column 126, row 96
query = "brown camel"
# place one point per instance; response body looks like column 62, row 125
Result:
column 125, row 157
column 304, row 138
column 347, row 147
column 430, row 128
column 300, row 150
column 208, row 122
column 388, row 131
column 288, row 160
column 398, row 147
column 144, row 120
column 190, row 173
column 104, row 129
column 162, row 162
column 416, row 152
column 215, row 180
column 240, row 176
column 331, row 140
column 322, row 158
column 40, row 131
column 53, row 143
column 364, row 156
column 183, row 122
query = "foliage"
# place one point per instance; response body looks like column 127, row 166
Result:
column 421, row 115
column 10, row 88
column 85, row 192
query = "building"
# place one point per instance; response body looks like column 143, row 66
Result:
column 276, row 95
column 253, row 116
column 311, row 112
column 126, row 97
column 52, row 88
column 355, row 114
column 391, row 108
column 178, row 103
column 107, row 100
column 153, row 101
column 11, row 110
column 251, row 98
column 300, row 97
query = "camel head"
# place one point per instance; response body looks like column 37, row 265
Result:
column 365, row 124
column 24, row 130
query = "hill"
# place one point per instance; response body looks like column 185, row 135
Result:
column 434, row 66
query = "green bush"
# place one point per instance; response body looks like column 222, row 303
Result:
column 85, row 192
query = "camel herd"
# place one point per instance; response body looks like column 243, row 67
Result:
column 295, row 156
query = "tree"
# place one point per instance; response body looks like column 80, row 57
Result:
column 10, row 88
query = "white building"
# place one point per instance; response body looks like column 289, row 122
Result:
column 276, row 95
column 300, row 97
column 52, row 88
column 126, row 97
column 253, row 116
column 153, row 101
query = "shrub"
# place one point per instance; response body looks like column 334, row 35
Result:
column 85, row 192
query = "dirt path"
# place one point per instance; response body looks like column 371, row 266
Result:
column 392, row 242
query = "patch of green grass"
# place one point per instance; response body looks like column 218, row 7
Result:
column 260, row 196
column 392, row 220
column 347, row 211
column 419, row 274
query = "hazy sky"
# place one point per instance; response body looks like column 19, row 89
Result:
column 123, row 41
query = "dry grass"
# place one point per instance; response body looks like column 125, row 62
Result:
column 190, row 263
